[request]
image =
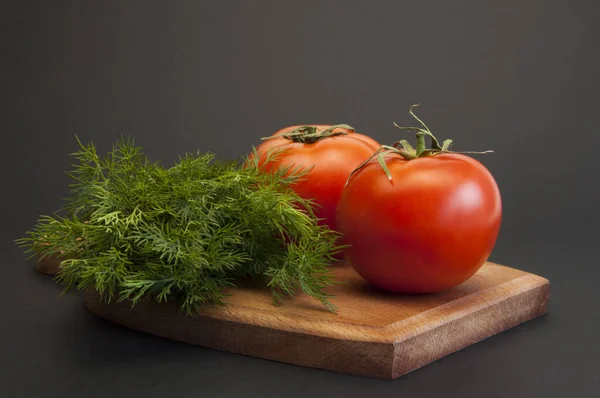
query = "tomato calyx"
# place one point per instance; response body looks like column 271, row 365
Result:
column 407, row 151
column 310, row 134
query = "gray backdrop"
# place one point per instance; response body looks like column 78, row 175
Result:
column 518, row 77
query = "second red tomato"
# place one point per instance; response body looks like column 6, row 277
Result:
column 333, row 155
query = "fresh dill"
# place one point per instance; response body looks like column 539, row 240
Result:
column 132, row 228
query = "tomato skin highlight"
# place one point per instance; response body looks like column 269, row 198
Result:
column 428, row 229
column 332, row 160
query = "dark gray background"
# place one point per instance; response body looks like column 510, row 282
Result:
column 519, row 77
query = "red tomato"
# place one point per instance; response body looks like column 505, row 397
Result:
column 428, row 229
column 332, row 160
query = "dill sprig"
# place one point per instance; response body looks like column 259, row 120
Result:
column 132, row 229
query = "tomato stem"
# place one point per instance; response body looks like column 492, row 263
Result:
column 420, row 143
column 421, row 132
column 404, row 149
column 310, row 134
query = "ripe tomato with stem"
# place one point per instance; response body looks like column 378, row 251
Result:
column 419, row 220
column 328, row 154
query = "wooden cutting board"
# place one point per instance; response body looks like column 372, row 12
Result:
column 373, row 334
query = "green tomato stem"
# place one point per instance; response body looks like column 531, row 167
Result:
column 420, row 143
column 404, row 149
column 310, row 134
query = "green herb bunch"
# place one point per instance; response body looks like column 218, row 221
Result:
column 132, row 229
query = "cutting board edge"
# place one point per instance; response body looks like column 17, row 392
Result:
column 527, row 305
column 380, row 359
column 308, row 350
column 469, row 305
column 395, row 332
column 48, row 265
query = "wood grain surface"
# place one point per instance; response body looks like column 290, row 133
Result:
column 373, row 334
